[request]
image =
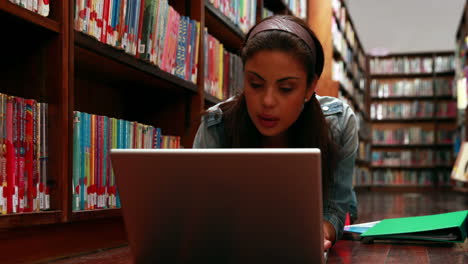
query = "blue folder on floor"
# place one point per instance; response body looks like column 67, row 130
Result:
column 447, row 227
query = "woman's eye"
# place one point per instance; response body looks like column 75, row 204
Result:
column 286, row 89
column 255, row 85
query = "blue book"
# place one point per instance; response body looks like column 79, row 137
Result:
column 189, row 50
column 181, row 48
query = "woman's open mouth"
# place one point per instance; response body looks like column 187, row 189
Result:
column 268, row 121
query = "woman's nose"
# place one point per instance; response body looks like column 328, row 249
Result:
column 269, row 99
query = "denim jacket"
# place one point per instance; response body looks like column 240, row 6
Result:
column 344, row 128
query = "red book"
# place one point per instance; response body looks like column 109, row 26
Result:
column 105, row 21
column 21, row 153
column 29, row 156
column 140, row 27
column 10, row 157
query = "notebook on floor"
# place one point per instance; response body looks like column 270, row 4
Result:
column 221, row 205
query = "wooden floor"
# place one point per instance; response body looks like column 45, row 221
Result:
column 372, row 206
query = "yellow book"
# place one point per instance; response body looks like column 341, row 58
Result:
column 220, row 71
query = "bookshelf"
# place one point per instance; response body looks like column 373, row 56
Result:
column 461, row 65
column 72, row 71
column 413, row 112
column 345, row 71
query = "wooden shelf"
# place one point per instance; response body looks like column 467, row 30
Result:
column 406, row 98
column 362, row 162
column 96, row 214
column 461, row 189
column 222, row 28
column 445, row 73
column 401, row 75
column 353, row 99
column 413, row 75
column 211, row 99
column 401, row 188
column 99, row 58
column 363, row 139
column 383, row 167
column 30, row 219
column 28, row 16
column 410, row 120
column 412, row 145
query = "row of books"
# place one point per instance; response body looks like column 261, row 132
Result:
column 41, row 7
column 339, row 74
column 151, row 30
column 411, row 177
column 339, row 11
column 362, row 176
column 407, row 65
column 415, row 87
column 364, row 128
column 242, row 13
column 421, row 157
column 364, row 151
column 297, row 7
column 267, row 13
column 346, row 52
column 409, row 135
column 357, row 97
column 223, row 70
column 23, row 156
column 93, row 136
column 416, row 109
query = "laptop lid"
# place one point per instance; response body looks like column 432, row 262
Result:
column 221, row 205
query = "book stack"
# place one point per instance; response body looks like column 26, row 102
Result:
column 393, row 110
column 446, row 109
column 40, row 7
column 444, row 87
column 412, row 158
column 241, row 13
column 445, row 136
column 401, row 65
column 444, row 63
column 402, row 177
column 93, row 178
column 410, row 87
column 362, row 176
column 223, row 70
column 400, row 136
column 151, row 30
column 23, row 156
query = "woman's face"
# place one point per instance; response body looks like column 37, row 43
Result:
column 275, row 87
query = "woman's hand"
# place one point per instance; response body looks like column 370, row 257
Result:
column 329, row 235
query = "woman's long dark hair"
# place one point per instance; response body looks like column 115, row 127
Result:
column 310, row 130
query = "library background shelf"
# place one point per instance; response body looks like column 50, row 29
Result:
column 78, row 73
column 433, row 122
column 22, row 15
column 461, row 64
column 223, row 28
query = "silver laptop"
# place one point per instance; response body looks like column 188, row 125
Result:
column 221, row 205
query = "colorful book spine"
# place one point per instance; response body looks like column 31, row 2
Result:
column 76, row 160
column 3, row 175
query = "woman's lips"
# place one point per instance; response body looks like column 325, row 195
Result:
column 268, row 121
